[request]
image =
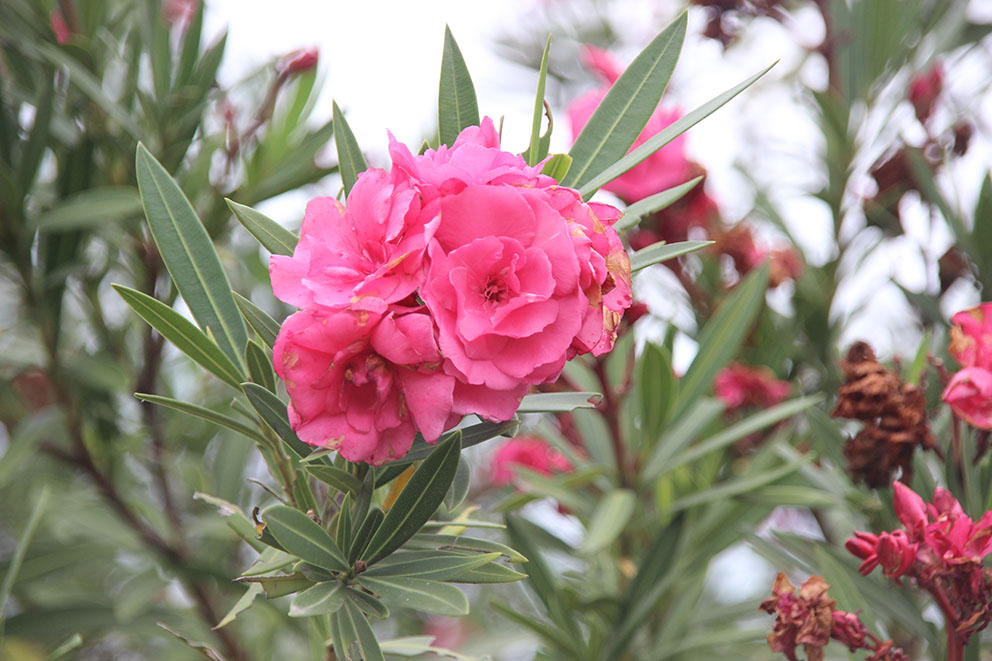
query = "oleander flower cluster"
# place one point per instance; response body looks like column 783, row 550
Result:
column 447, row 286
column 942, row 549
column 969, row 392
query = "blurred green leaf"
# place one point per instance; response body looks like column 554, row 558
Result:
column 458, row 491
column 351, row 162
column 657, row 388
column 456, row 105
column 558, row 402
column 608, row 521
column 243, row 604
column 660, row 252
column 274, row 237
column 20, row 551
column 203, row 413
column 201, row 648
column 418, row 501
column 321, row 599
column 627, row 107
column 189, row 255
column 183, row 334
column 299, row 535
column 462, row 543
column 91, row 209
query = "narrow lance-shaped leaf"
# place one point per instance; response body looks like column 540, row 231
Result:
column 260, row 322
column 274, row 237
column 204, row 414
column 660, row 252
column 609, row 519
column 622, row 114
column 654, row 203
column 534, row 154
column 350, row 159
column 418, row 500
column 417, row 593
column 184, row 335
column 663, row 137
column 260, row 365
column 368, row 646
column 457, row 107
column 189, row 256
column 321, row 599
column 273, row 412
column 302, row 537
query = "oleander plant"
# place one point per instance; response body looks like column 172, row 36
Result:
column 493, row 401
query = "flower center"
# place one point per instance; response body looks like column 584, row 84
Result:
column 495, row 289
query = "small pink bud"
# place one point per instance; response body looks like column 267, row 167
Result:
column 895, row 553
column 847, row 629
column 298, row 61
column 60, row 26
column 909, row 508
column 924, row 89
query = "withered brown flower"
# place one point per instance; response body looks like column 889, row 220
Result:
column 894, row 414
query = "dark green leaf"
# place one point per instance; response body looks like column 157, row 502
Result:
column 418, row 501
column 189, row 255
column 470, row 436
column 350, row 159
column 274, row 237
column 203, row 413
column 628, row 105
column 428, row 565
column 182, row 333
column 273, row 412
column 367, row 603
column 321, row 599
column 299, row 535
column 456, row 105
column 417, row 593
column 260, row 322
column 368, row 648
column 338, row 478
column 654, row 203
column 660, row 252
column 260, row 365
column 361, row 539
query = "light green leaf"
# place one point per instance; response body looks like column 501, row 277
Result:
column 299, row 535
column 279, row 585
column 654, row 203
column 416, row 645
column 338, row 478
column 203, row 413
column 458, row 491
column 722, row 336
column 74, row 642
column 559, row 402
column 660, row 252
column 557, row 166
column 461, row 543
column 456, row 104
column 350, row 159
column 367, row 603
column 609, row 519
column 321, row 599
column 189, row 256
column 492, row 572
column 625, row 110
column 20, row 551
column 656, row 388
column 274, row 237
column 201, row 648
column 663, row 137
column 417, row 593
column 242, row 604
column 680, row 434
column 92, row 209
column 183, row 334
column 737, row 486
column 259, row 321
column 537, row 141
column 364, row 637
column 428, row 565
column 418, row 501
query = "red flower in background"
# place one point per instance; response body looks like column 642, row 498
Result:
column 925, row 89
column 969, row 393
column 529, row 452
column 740, row 386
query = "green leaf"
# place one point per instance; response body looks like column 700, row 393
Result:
column 91, row 209
column 660, row 252
column 259, row 321
column 368, row 647
column 367, row 603
column 338, row 478
column 418, row 501
column 559, row 402
column 189, row 256
column 657, row 388
column 364, row 533
column 654, row 203
column 20, row 551
column 260, row 365
column 722, row 336
column 273, row 412
column 274, row 237
column 557, row 166
column 492, row 572
column 350, row 159
column 321, row 599
column 74, row 642
column 456, row 105
column 279, row 585
column 628, row 105
column 201, row 648
column 458, row 491
column 609, row 519
column 534, row 154
column 417, row 593
column 299, row 535
column 38, row 139
column 663, row 137
column 182, row 333
column 416, row 645
column 242, row 604
column 472, row 435
column 429, row 565
column 462, row 543
column 679, row 434
column 737, row 486
column 204, row 414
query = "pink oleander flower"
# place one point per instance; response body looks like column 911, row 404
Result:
column 971, row 337
column 298, row 61
column 925, row 89
column 969, row 394
column 363, row 383
column 529, row 452
column 179, row 13
column 665, row 168
column 365, row 256
column 739, row 386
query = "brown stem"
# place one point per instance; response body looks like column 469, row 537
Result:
column 955, row 650
column 609, row 409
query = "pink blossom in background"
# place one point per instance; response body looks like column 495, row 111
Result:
column 925, row 89
column 361, row 383
column 971, row 336
column 969, row 392
column 179, row 13
column 740, row 386
column 665, row 168
column 365, row 256
column 529, row 452
column 298, row 61
column 63, row 34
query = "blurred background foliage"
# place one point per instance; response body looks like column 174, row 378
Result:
column 103, row 533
